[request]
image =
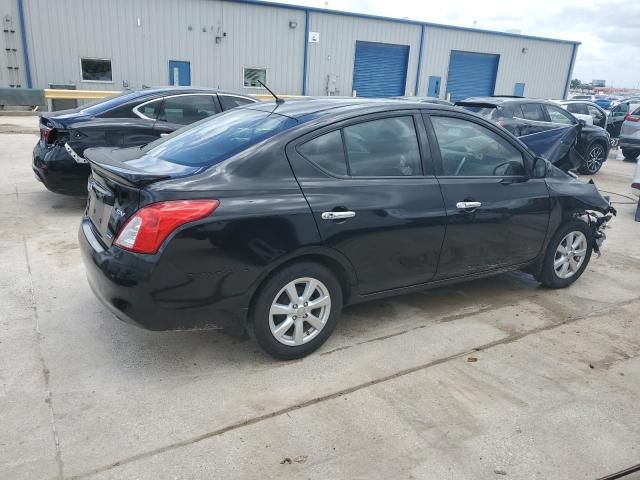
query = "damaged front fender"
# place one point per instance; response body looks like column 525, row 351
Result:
column 575, row 198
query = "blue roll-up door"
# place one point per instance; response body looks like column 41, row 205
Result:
column 380, row 69
column 471, row 74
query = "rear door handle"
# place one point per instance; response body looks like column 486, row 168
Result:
column 468, row 205
column 337, row 215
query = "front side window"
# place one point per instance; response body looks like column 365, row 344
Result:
column 533, row 111
column 214, row 140
column 96, row 70
column 327, row 152
column 252, row 75
column 186, row 109
column 386, row 147
column 558, row 115
column 469, row 149
column 594, row 112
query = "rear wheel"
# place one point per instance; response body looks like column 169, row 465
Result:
column 567, row 256
column 296, row 310
column 595, row 157
column 630, row 154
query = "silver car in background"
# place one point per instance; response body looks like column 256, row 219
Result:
column 630, row 135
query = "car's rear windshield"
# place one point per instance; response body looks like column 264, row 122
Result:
column 486, row 111
column 103, row 105
column 213, row 140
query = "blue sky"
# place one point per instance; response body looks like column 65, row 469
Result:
column 609, row 31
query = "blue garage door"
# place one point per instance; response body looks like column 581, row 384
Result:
column 471, row 74
column 380, row 69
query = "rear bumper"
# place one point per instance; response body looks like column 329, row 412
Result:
column 147, row 292
column 60, row 173
column 629, row 142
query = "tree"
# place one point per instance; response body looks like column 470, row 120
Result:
column 575, row 83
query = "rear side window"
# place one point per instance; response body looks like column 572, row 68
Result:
column 212, row 141
column 468, row 149
column 533, row 111
column 151, row 109
column 636, row 111
column 186, row 109
column 230, row 101
column 327, row 152
column 386, row 147
column 580, row 108
column 558, row 115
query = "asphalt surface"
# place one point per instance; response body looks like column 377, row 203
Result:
column 496, row 378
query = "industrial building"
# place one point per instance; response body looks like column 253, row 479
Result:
column 230, row 44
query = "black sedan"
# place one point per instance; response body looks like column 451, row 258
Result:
column 273, row 217
column 131, row 119
column 526, row 116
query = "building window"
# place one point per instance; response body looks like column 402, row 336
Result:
column 96, row 70
column 252, row 75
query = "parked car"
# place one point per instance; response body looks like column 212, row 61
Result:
column 133, row 118
column 589, row 98
column 630, row 135
column 618, row 114
column 590, row 112
column 435, row 100
column 604, row 101
column 274, row 216
column 524, row 116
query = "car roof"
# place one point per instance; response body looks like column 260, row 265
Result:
column 499, row 100
column 320, row 106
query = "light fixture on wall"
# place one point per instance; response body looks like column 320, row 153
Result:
column 293, row 24
column 524, row 50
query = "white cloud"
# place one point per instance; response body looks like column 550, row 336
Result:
column 609, row 31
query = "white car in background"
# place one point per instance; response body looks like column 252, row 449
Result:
column 586, row 110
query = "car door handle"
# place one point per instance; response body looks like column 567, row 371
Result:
column 164, row 134
column 468, row 205
column 337, row 215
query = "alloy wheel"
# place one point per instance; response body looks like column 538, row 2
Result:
column 299, row 311
column 595, row 158
column 570, row 254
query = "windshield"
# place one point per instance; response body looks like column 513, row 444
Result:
column 108, row 103
column 215, row 139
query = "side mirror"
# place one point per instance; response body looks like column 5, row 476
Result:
column 540, row 167
column 582, row 122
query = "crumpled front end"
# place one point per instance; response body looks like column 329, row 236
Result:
column 582, row 200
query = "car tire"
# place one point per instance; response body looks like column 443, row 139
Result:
column 596, row 155
column 630, row 154
column 563, row 264
column 282, row 325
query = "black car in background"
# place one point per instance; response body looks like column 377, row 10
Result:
column 274, row 216
column 133, row 118
column 525, row 116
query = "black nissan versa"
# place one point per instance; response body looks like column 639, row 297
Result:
column 274, row 216
column 133, row 118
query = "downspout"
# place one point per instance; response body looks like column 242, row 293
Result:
column 306, row 47
column 573, row 61
column 419, row 71
column 25, row 48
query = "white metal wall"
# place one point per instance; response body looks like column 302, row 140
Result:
column 335, row 53
column 60, row 33
column 10, row 8
column 543, row 67
column 256, row 36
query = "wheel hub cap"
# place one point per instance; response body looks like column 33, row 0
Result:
column 570, row 254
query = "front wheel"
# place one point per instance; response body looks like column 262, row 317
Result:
column 296, row 310
column 595, row 157
column 567, row 255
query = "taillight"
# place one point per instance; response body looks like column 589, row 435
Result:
column 46, row 134
column 145, row 231
column 632, row 118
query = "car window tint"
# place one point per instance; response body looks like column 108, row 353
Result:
column 216, row 139
column 580, row 108
column 186, row 109
column 558, row 115
column 125, row 111
column 230, row 101
column 469, row 149
column 386, row 147
column 533, row 111
column 327, row 152
column 150, row 110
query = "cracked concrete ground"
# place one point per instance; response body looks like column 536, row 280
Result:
column 496, row 378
